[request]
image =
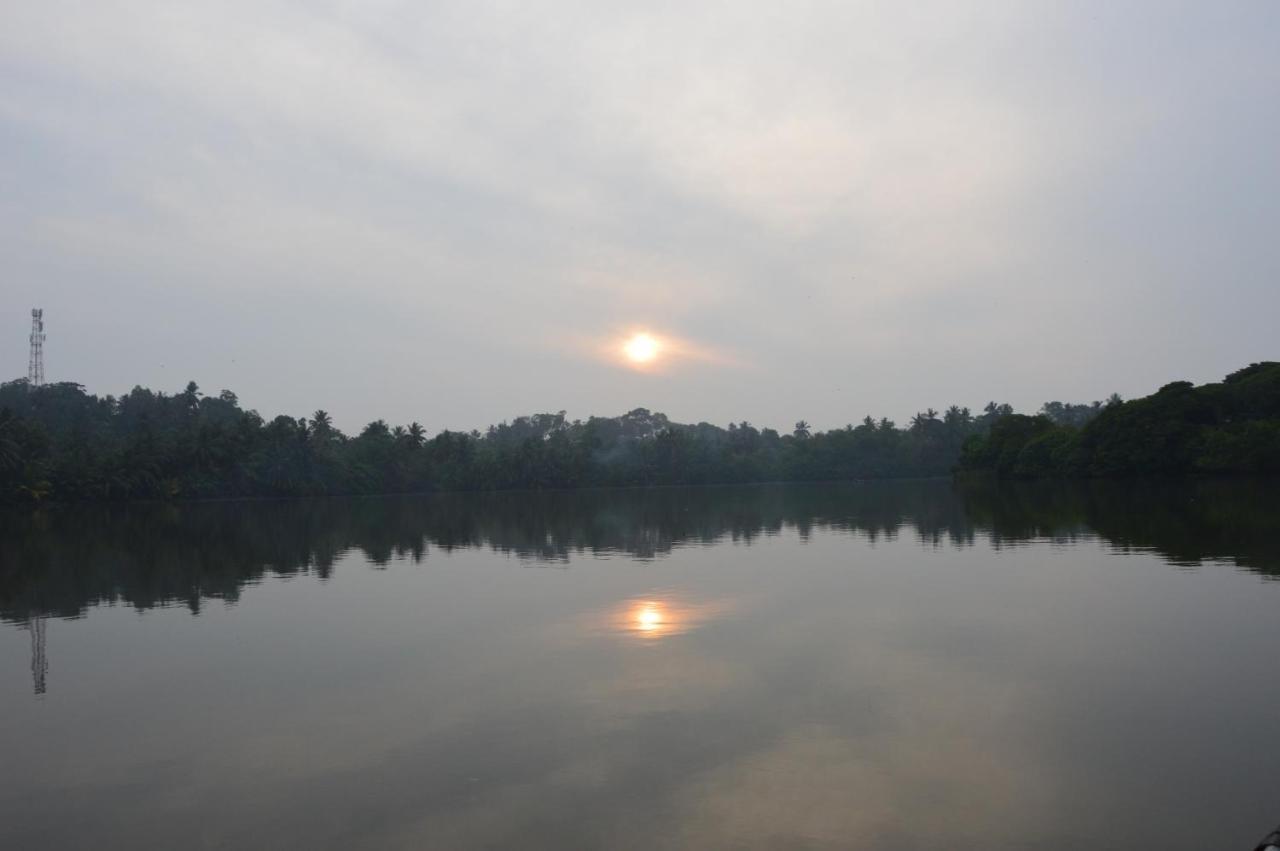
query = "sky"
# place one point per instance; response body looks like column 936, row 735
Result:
column 457, row 212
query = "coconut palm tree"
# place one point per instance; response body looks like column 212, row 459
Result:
column 321, row 423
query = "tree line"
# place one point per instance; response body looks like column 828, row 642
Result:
column 1232, row 426
column 59, row 442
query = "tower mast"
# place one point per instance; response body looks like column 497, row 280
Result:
column 35, row 366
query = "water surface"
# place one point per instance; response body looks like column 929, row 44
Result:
column 908, row 665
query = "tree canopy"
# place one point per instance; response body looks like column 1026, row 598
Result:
column 1232, row 426
column 59, row 442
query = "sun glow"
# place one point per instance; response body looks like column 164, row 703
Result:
column 662, row 616
column 648, row 617
column 641, row 349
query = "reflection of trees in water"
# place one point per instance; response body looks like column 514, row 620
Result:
column 61, row 561
column 1186, row 521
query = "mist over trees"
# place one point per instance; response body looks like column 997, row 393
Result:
column 59, row 442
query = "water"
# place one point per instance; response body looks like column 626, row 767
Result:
column 883, row 666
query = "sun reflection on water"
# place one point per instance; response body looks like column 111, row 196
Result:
column 649, row 616
column 654, row 617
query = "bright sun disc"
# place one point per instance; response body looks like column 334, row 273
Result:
column 641, row 348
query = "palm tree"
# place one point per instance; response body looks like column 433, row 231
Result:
column 321, row 427
column 920, row 421
column 417, row 434
column 802, row 430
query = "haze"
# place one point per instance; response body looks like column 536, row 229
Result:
column 438, row 212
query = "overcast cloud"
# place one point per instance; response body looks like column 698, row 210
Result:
column 434, row 211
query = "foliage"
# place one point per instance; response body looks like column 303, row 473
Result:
column 1228, row 427
column 59, row 442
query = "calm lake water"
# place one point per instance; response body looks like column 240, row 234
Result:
column 909, row 665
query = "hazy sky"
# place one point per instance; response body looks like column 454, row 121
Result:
column 440, row 211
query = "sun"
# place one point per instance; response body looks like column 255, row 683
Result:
column 641, row 348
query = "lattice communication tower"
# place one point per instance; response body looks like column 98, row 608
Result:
column 35, row 367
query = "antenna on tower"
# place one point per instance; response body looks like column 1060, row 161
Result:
column 35, row 367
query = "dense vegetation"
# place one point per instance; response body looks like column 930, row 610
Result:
column 56, row 441
column 1228, row 427
column 59, row 442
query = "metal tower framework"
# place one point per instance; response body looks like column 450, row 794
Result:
column 35, row 367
